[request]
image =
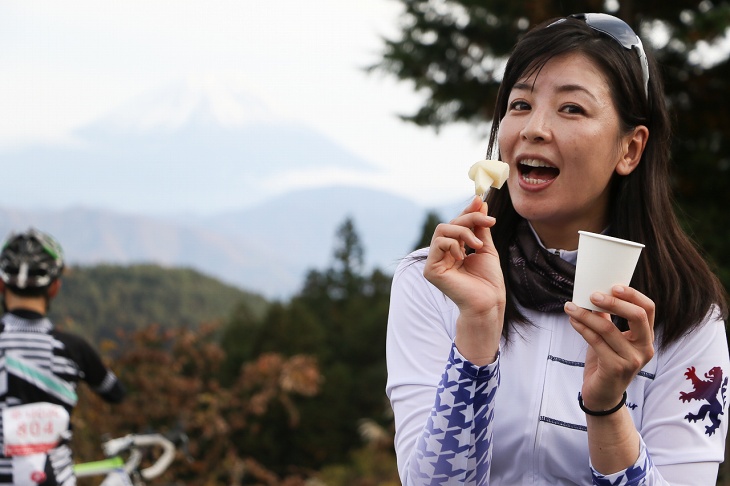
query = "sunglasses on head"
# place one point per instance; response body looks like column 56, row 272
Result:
column 619, row 31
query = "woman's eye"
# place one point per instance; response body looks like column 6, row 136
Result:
column 572, row 109
column 519, row 105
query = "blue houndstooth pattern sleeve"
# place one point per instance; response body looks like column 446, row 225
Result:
column 456, row 444
column 642, row 473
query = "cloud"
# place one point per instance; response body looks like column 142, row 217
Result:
column 69, row 64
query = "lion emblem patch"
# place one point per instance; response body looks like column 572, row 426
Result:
column 710, row 390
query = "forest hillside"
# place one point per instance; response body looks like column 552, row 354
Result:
column 97, row 301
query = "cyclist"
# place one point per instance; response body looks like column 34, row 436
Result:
column 40, row 367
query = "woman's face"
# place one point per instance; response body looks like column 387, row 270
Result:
column 560, row 136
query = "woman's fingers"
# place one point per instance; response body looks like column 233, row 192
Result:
column 484, row 233
column 598, row 331
column 448, row 249
column 467, row 228
column 621, row 354
column 448, row 246
column 474, row 205
column 626, row 302
column 632, row 305
column 463, row 235
column 453, row 238
column 475, row 218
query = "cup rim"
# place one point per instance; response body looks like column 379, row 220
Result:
column 611, row 238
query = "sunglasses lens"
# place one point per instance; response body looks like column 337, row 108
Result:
column 619, row 31
column 616, row 28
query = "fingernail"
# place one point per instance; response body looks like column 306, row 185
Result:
column 618, row 289
column 596, row 297
column 569, row 306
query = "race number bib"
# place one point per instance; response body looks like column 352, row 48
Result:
column 33, row 428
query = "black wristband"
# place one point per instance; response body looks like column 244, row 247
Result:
column 604, row 412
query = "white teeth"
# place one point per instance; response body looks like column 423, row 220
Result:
column 530, row 180
column 534, row 163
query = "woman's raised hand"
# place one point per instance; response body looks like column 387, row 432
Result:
column 614, row 358
column 474, row 282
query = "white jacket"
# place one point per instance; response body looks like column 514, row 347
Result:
column 532, row 431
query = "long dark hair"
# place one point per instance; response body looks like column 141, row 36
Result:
column 671, row 270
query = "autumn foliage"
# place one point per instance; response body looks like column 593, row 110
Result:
column 171, row 376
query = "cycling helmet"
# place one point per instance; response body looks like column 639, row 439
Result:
column 30, row 260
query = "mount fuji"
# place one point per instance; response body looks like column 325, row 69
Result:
column 195, row 146
column 193, row 174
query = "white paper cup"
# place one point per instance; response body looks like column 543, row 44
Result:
column 603, row 261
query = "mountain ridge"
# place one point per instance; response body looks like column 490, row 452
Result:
column 266, row 249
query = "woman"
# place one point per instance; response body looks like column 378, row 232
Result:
column 494, row 376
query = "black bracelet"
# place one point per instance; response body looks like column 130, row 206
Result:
column 604, row 412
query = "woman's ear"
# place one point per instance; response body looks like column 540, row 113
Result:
column 632, row 147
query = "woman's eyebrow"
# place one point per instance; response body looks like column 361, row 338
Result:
column 563, row 88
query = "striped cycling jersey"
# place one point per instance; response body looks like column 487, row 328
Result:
column 41, row 364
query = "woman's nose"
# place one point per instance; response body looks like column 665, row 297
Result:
column 536, row 129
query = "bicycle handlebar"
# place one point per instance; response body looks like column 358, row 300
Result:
column 133, row 443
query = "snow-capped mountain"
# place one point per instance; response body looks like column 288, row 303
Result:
column 205, row 99
column 188, row 147
column 132, row 190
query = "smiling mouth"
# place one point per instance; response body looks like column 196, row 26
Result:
column 535, row 171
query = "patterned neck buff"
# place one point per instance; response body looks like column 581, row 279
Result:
column 538, row 279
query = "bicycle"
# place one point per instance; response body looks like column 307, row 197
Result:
column 121, row 472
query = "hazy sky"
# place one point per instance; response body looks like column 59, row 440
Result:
column 66, row 64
